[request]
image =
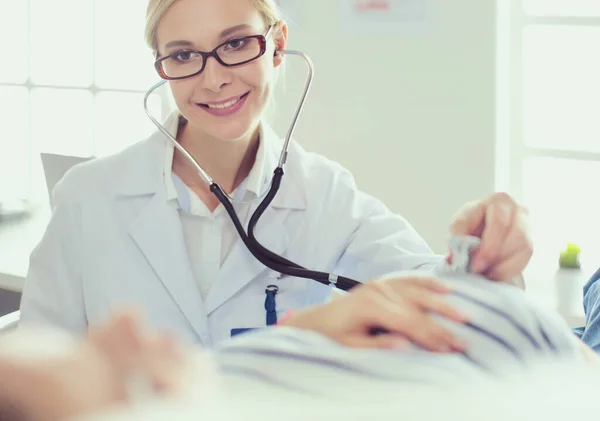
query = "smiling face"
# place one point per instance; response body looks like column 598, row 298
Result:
column 222, row 102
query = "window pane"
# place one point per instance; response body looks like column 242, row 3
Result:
column 122, row 59
column 562, row 197
column 121, row 120
column 561, row 87
column 562, row 7
column 14, row 142
column 62, row 121
column 14, row 33
column 61, row 42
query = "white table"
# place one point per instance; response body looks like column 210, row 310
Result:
column 19, row 238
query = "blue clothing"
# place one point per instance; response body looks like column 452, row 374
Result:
column 590, row 333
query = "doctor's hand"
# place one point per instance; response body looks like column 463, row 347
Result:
column 400, row 305
column 501, row 224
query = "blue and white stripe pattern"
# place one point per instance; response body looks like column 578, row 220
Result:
column 505, row 333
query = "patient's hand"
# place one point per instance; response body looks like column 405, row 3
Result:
column 50, row 376
column 75, row 377
column 400, row 305
column 156, row 358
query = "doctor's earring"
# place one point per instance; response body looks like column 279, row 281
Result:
column 277, row 58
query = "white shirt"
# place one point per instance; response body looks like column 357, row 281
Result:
column 210, row 236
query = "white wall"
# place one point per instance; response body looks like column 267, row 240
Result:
column 412, row 115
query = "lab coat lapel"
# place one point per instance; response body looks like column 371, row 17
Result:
column 241, row 267
column 158, row 234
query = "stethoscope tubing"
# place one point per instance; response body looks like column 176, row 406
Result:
column 265, row 256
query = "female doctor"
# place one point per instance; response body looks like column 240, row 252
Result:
column 141, row 228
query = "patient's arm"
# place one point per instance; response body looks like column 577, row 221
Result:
column 117, row 363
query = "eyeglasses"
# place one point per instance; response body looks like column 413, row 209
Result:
column 187, row 63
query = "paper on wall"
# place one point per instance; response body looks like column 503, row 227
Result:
column 382, row 17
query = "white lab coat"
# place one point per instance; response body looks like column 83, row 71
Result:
column 114, row 241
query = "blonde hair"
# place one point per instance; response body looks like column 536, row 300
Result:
column 157, row 8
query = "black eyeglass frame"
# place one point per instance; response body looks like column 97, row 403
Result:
column 262, row 40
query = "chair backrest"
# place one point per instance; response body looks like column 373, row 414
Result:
column 9, row 321
column 56, row 166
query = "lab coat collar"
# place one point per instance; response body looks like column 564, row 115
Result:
column 149, row 170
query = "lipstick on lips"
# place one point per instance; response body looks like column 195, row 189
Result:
column 226, row 107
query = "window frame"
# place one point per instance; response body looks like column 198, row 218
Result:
column 511, row 150
column 31, row 188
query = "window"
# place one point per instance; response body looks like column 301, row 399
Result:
column 549, row 97
column 73, row 75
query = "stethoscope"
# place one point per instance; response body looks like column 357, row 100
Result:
column 262, row 254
